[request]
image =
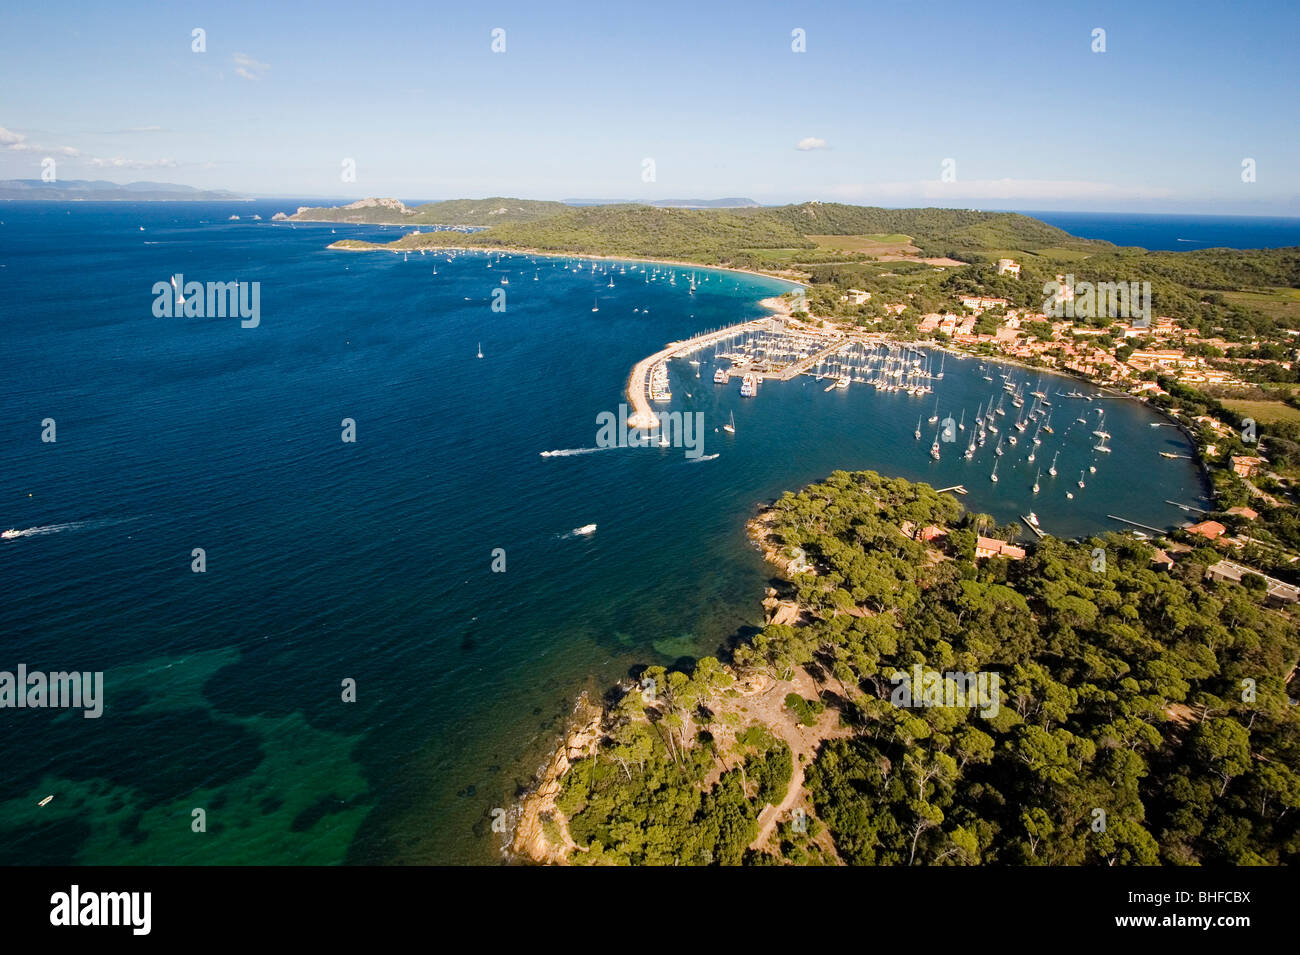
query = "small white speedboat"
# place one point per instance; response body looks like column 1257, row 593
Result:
column 585, row 529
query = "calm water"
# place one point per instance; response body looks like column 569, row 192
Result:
column 1179, row 233
column 371, row 561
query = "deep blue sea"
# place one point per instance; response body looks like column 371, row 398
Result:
column 1179, row 233
column 371, row 561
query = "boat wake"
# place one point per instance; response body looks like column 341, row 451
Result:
column 570, row 452
column 707, row 457
column 41, row 531
column 14, row 534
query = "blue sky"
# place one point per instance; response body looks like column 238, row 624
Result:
column 712, row 92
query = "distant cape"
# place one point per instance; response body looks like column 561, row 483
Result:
column 99, row 190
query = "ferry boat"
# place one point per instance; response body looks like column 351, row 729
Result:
column 749, row 386
column 720, row 376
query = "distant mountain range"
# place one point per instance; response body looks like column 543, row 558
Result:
column 99, row 190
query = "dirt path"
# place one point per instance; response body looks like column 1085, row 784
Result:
column 769, row 708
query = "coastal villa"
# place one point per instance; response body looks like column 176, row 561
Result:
column 992, row 547
column 896, row 309
column 1276, row 590
column 856, row 296
column 1008, row 267
column 1246, row 512
column 1210, row 530
column 1244, row 466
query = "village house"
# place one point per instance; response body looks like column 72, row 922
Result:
column 1162, row 561
column 1210, row 530
column 1008, row 267
column 979, row 303
column 1161, row 358
column 856, row 296
column 992, row 547
column 1246, row 512
column 1244, row 466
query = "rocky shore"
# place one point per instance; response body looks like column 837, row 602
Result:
column 532, row 841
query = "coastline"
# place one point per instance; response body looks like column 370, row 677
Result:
column 338, row 246
column 541, row 835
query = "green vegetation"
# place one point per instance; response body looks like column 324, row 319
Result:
column 648, row 800
column 1121, row 692
column 470, row 212
column 1123, row 734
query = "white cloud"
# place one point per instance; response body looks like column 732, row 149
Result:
column 811, row 142
column 1019, row 189
column 249, row 68
column 141, row 129
column 18, row 143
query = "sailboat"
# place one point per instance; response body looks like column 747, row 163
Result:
column 1080, row 479
column 730, row 426
column 994, row 476
column 934, row 448
column 918, row 427
column 961, row 425
column 594, row 306
column 1052, row 469
column 1036, row 481
column 935, row 417
column 480, row 349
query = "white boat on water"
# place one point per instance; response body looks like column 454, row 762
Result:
column 480, row 349
column 730, row 426
column 1031, row 519
column 585, row 529
column 11, row 534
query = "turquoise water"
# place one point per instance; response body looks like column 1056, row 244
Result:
column 372, row 561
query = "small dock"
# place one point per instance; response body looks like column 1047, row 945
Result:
column 1037, row 530
column 956, row 489
column 1145, row 527
column 1188, row 507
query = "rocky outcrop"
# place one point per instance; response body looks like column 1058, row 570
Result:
column 531, row 840
column 395, row 204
